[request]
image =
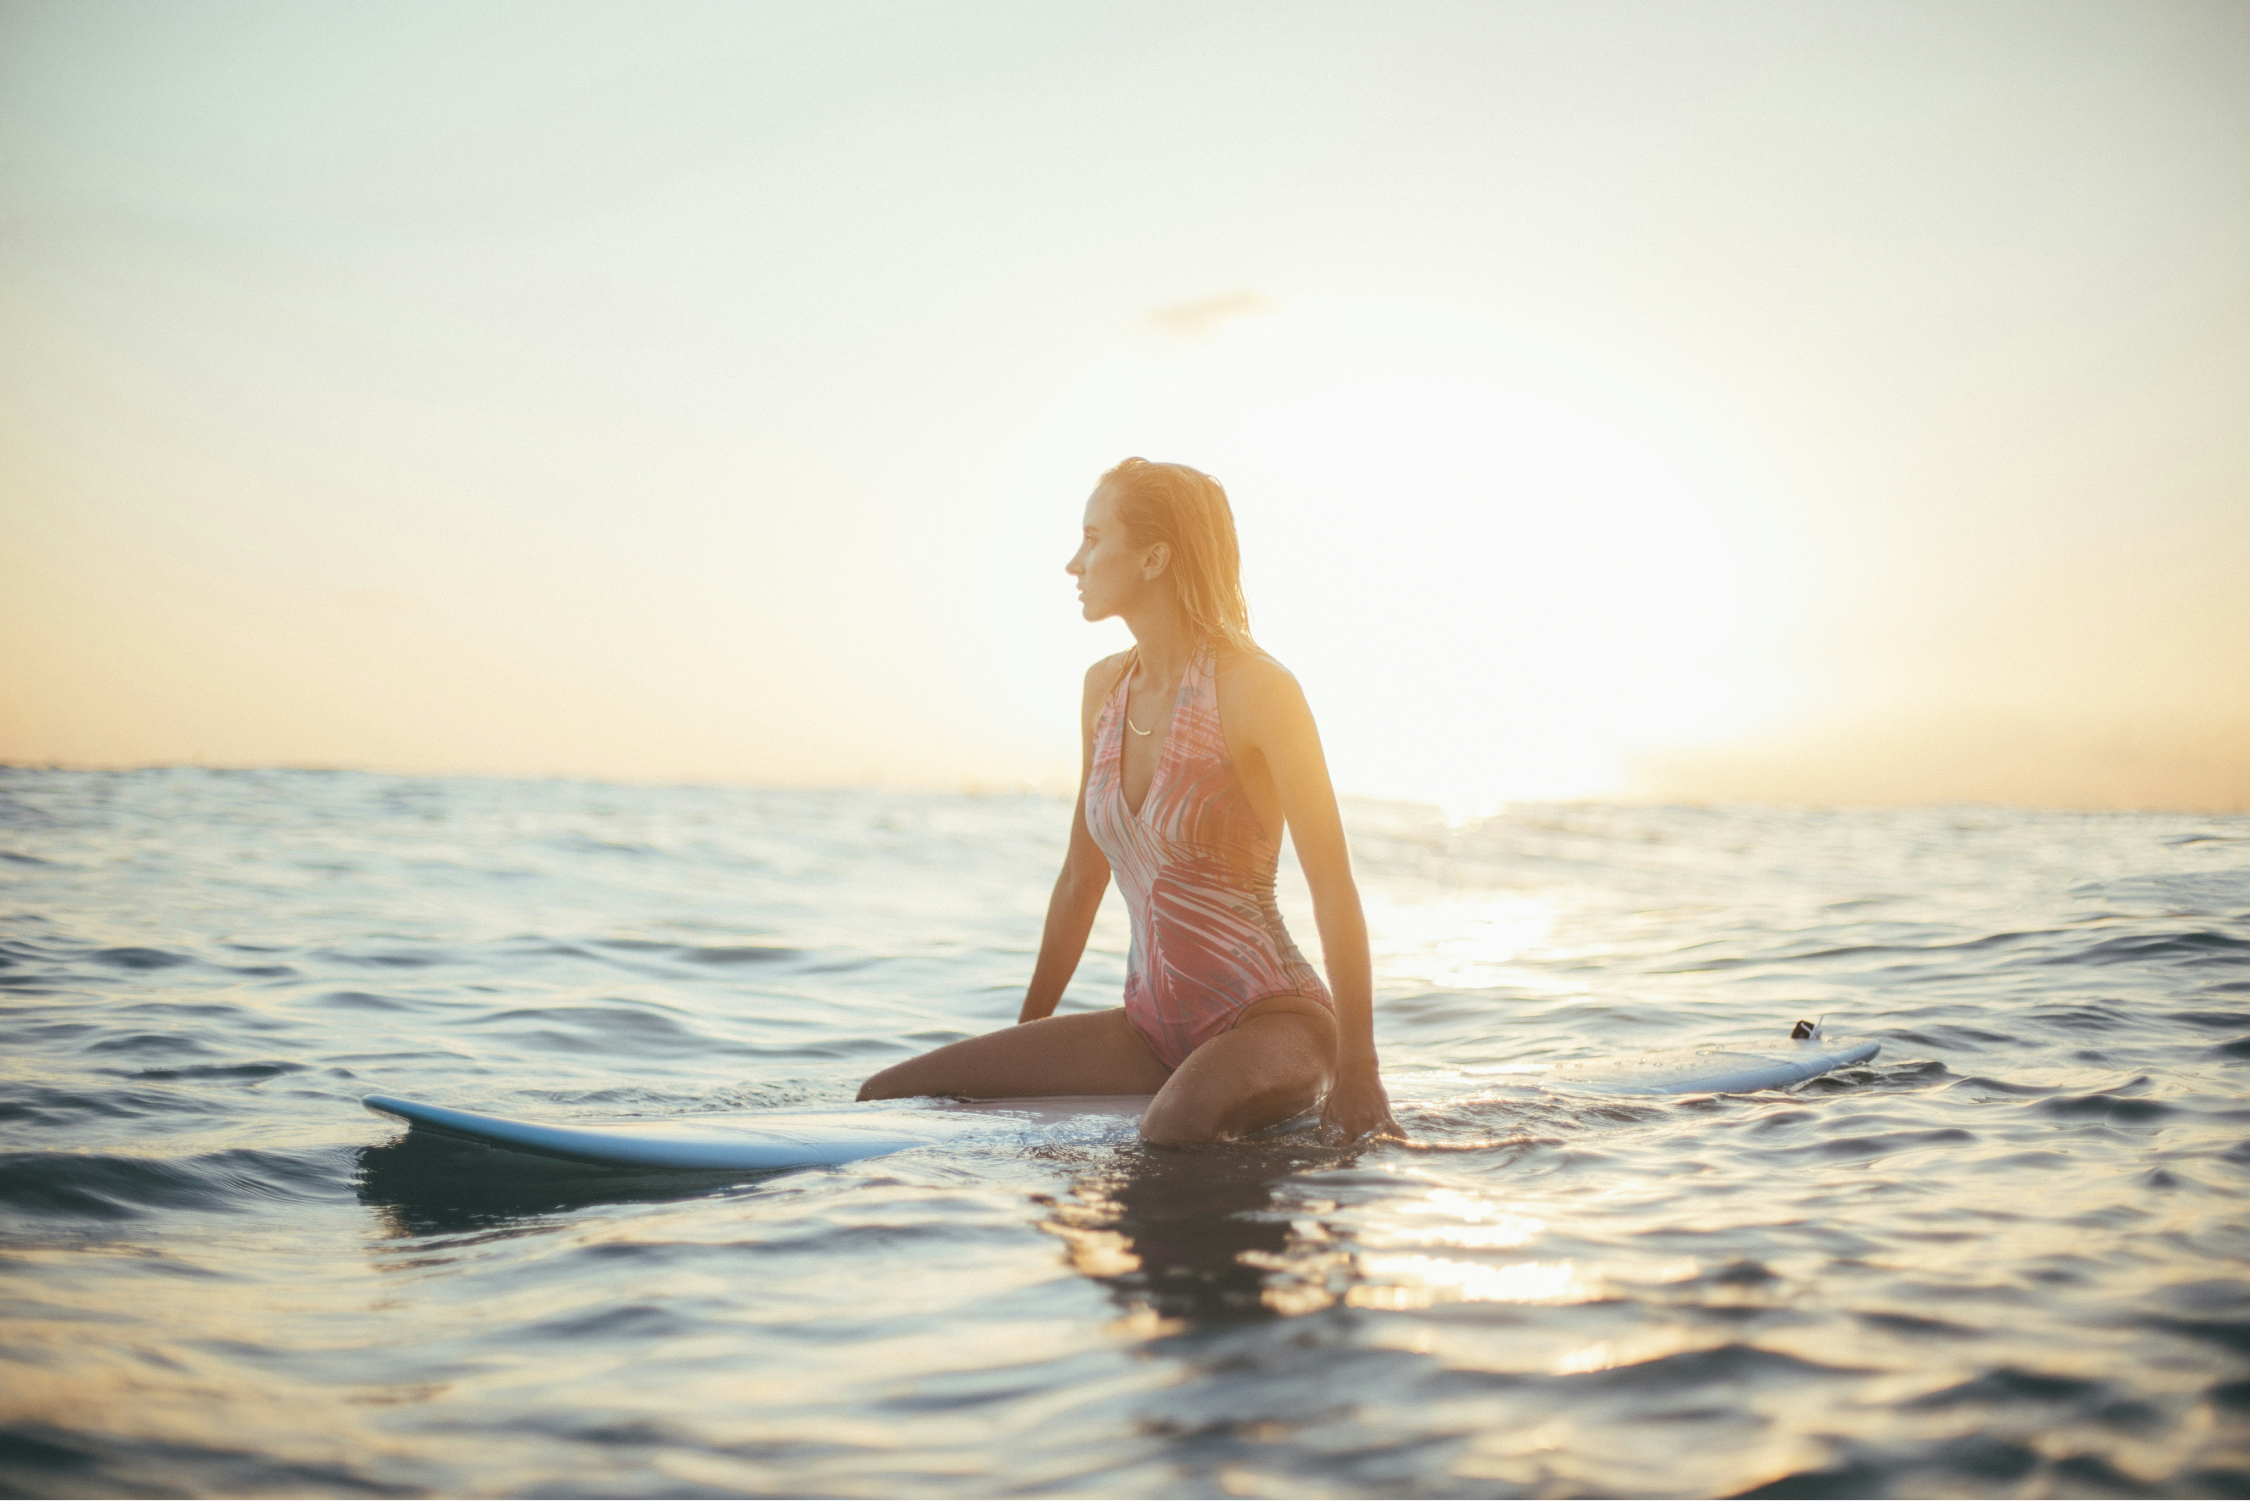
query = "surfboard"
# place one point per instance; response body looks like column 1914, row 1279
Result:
column 770, row 1141
column 1711, row 1070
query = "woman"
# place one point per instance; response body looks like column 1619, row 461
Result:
column 1196, row 748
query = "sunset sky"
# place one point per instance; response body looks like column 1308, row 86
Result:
column 1791, row 401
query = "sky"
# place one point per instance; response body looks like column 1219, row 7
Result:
column 1784, row 402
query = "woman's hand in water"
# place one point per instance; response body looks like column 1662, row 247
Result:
column 1357, row 1109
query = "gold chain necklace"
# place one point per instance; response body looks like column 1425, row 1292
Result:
column 1136, row 729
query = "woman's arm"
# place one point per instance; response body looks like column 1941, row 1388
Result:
column 1280, row 726
column 1085, row 870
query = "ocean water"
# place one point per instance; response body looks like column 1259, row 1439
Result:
column 2006, row 1258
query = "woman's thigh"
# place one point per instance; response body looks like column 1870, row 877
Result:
column 1090, row 1052
column 1273, row 1064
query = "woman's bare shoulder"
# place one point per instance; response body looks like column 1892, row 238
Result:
column 1258, row 681
column 1254, row 671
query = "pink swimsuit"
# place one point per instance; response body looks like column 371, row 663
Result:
column 1196, row 867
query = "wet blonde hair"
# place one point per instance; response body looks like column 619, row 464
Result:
column 1187, row 510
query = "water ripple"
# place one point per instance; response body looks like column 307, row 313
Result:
column 2006, row 1257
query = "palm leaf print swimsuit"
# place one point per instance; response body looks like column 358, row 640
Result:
column 1196, row 867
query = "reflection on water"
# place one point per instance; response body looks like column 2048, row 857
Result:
column 1190, row 1236
column 1181, row 1237
column 422, row 1184
column 2007, row 1258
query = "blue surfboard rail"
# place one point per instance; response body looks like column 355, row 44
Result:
column 770, row 1144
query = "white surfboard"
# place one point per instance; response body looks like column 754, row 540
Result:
column 768, row 1141
column 1711, row 1070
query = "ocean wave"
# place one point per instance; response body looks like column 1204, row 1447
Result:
column 99, row 1186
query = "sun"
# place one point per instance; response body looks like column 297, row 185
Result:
column 1503, row 563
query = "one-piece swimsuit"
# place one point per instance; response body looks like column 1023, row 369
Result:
column 1196, row 866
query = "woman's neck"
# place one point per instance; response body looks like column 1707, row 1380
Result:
column 1166, row 643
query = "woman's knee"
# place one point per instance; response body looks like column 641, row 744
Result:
column 891, row 1084
column 1181, row 1121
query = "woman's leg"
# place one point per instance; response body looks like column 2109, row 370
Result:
column 1091, row 1052
column 1272, row 1064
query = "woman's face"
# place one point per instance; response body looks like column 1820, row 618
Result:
column 1110, row 570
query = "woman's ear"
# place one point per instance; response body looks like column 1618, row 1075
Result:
column 1156, row 560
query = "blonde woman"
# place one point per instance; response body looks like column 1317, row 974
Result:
column 1196, row 750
